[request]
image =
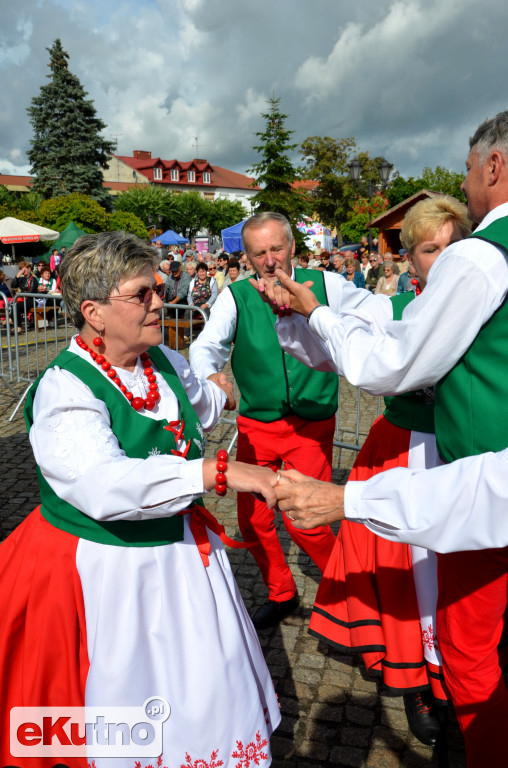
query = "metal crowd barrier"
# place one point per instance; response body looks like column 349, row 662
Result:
column 47, row 330
column 41, row 329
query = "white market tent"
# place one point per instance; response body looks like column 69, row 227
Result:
column 18, row 231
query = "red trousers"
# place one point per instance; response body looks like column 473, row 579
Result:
column 473, row 598
column 303, row 445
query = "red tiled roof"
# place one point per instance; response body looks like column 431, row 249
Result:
column 219, row 177
column 306, row 185
column 8, row 180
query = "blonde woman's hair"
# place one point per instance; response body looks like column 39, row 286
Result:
column 427, row 216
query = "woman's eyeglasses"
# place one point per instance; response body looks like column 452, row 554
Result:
column 144, row 295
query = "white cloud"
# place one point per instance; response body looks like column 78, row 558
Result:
column 407, row 79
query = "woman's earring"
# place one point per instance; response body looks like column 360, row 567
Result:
column 98, row 341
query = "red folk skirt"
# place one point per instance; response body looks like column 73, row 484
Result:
column 366, row 602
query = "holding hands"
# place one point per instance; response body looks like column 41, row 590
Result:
column 285, row 293
column 308, row 502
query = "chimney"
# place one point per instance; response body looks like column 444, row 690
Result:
column 140, row 154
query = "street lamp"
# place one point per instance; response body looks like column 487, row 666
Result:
column 152, row 223
column 356, row 170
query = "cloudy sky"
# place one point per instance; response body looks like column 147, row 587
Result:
column 409, row 80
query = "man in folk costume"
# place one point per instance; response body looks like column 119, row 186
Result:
column 454, row 335
column 287, row 411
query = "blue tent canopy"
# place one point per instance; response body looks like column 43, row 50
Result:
column 232, row 237
column 169, row 237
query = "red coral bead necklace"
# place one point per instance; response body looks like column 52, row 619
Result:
column 137, row 402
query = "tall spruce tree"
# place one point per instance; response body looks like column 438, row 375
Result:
column 67, row 151
column 275, row 172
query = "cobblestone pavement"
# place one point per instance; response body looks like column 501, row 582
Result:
column 333, row 714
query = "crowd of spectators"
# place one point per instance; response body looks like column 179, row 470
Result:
column 196, row 279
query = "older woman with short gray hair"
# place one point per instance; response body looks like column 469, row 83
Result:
column 122, row 587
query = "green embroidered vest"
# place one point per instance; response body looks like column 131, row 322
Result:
column 471, row 414
column 140, row 437
column 272, row 383
column 412, row 410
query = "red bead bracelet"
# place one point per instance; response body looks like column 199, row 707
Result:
column 221, row 486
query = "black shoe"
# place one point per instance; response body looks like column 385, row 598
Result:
column 421, row 719
column 271, row 613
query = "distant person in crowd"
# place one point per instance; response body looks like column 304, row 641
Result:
column 325, row 262
column 163, row 270
column 190, row 268
column 403, row 263
column 338, row 263
column 24, row 282
column 46, row 283
column 387, row 283
column 352, row 275
column 214, row 272
column 222, row 263
column 405, row 280
column 365, row 265
column 177, row 284
column 303, row 261
column 233, row 273
column 317, row 248
column 201, row 257
column 54, row 260
column 376, row 271
column 203, row 289
column 39, row 267
column 161, row 249
column 5, row 300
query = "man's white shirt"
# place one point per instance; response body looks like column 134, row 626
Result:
column 460, row 506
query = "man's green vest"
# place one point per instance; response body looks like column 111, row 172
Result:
column 413, row 410
column 471, row 400
column 272, row 383
column 139, row 436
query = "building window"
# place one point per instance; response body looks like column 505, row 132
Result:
column 157, row 174
column 206, row 177
column 175, row 175
column 191, row 175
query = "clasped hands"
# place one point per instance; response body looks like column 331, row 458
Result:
column 308, row 502
column 284, row 295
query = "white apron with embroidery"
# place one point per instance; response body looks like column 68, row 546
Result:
column 159, row 624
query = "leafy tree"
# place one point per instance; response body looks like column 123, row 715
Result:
column 442, row 180
column 7, row 198
column 275, row 172
column 438, row 179
column 400, row 189
column 327, row 161
column 224, row 213
column 358, row 219
column 193, row 213
column 146, row 200
column 31, row 201
column 67, row 151
column 86, row 213
column 127, row 222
